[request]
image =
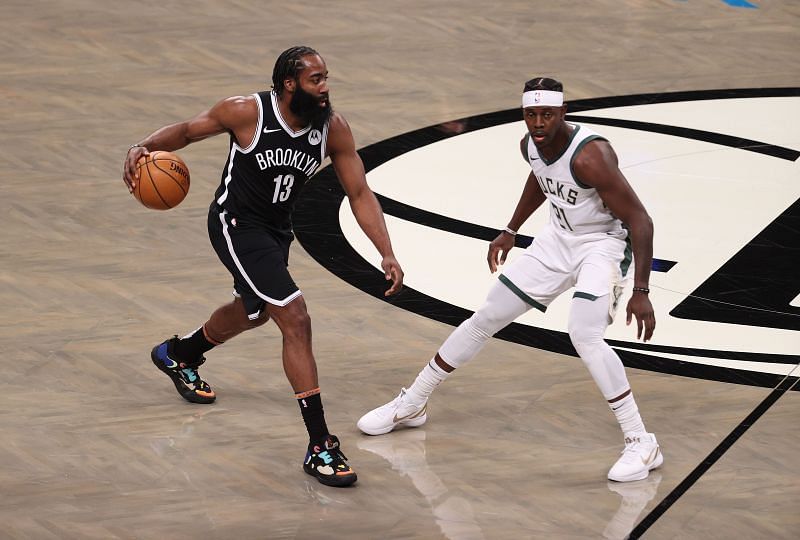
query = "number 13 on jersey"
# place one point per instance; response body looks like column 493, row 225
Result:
column 283, row 187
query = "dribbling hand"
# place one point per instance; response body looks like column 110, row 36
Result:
column 129, row 173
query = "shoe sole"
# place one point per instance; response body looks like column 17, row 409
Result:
column 334, row 481
column 411, row 422
column 642, row 475
column 185, row 393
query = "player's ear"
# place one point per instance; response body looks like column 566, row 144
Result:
column 290, row 84
column 564, row 110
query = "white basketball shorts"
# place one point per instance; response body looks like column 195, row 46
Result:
column 595, row 264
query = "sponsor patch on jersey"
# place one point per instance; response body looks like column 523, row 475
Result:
column 314, row 137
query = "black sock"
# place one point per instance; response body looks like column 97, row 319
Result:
column 192, row 347
column 313, row 416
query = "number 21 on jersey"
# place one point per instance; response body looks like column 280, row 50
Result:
column 561, row 216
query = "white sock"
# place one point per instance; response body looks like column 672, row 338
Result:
column 428, row 379
column 627, row 414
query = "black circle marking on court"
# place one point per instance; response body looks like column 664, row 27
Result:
column 316, row 223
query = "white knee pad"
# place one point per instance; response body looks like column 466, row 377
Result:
column 501, row 307
column 588, row 321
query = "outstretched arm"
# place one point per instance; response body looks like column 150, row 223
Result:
column 366, row 209
column 235, row 114
column 598, row 167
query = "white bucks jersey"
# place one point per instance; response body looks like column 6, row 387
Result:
column 575, row 208
column 260, row 183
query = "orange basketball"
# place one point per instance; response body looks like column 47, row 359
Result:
column 163, row 180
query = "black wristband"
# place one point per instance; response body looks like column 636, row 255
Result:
column 644, row 290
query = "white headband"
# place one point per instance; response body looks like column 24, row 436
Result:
column 542, row 98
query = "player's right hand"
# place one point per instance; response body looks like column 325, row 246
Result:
column 393, row 273
column 129, row 173
column 498, row 250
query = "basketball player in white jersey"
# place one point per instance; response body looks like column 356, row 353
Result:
column 278, row 139
column 598, row 230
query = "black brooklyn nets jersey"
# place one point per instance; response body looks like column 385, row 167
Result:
column 260, row 183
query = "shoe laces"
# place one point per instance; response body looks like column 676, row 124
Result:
column 401, row 401
column 189, row 372
column 338, row 455
column 190, row 375
column 633, row 445
column 332, row 448
column 394, row 404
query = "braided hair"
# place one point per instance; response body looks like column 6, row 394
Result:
column 544, row 83
column 288, row 65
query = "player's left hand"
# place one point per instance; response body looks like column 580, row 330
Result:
column 393, row 273
column 640, row 306
column 130, row 174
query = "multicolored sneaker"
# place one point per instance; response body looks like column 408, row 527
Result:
column 184, row 375
column 328, row 464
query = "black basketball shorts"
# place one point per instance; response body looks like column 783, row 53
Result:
column 256, row 258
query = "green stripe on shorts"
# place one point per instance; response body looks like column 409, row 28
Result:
column 586, row 295
column 628, row 255
column 525, row 298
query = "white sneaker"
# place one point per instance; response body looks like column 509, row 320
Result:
column 641, row 455
column 397, row 412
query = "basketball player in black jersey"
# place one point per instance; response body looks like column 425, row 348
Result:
column 278, row 139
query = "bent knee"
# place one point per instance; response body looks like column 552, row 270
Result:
column 295, row 323
column 486, row 323
column 301, row 321
column 584, row 336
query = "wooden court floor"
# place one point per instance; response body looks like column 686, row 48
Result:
column 95, row 443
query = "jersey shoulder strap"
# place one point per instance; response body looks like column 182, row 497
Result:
column 589, row 136
column 523, row 146
column 266, row 108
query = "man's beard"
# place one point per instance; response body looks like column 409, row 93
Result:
column 307, row 108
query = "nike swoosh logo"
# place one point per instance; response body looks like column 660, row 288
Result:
column 533, row 158
column 267, row 130
column 170, row 363
column 651, row 457
column 417, row 414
